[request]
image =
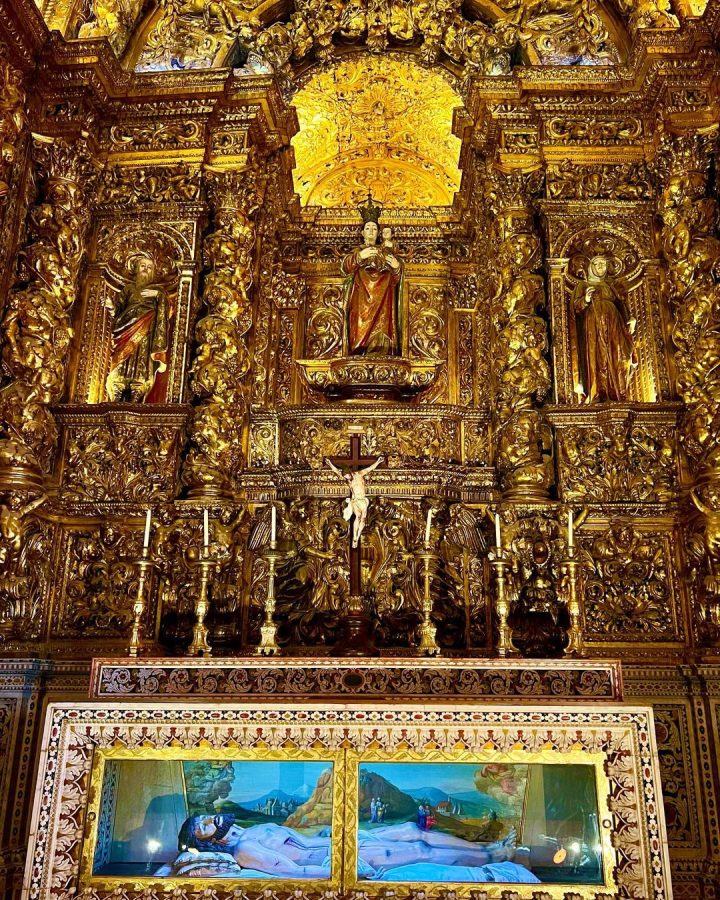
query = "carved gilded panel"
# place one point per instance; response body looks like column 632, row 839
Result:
column 94, row 600
column 630, row 585
column 620, row 454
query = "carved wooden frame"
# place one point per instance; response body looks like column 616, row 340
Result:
column 618, row 738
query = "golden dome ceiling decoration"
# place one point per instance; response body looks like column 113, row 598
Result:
column 376, row 123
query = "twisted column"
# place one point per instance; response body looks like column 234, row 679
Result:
column 36, row 327
column 216, row 453
column 692, row 252
column 521, row 378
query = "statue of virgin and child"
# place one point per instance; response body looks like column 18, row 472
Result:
column 373, row 289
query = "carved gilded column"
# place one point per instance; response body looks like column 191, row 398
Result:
column 13, row 122
column 521, row 378
column 692, row 252
column 36, row 328
column 218, row 435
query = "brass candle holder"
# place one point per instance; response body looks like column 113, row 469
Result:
column 200, row 645
column 144, row 564
column 500, row 561
column 570, row 572
column 428, row 646
column 268, row 645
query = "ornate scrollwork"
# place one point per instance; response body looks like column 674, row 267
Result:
column 615, row 461
column 570, row 181
column 572, row 33
column 324, row 335
column 692, row 253
column 128, row 186
column 13, row 120
column 428, row 326
column 102, row 581
column 306, row 440
column 114, row 454
column 628, row 587
column 25, row 568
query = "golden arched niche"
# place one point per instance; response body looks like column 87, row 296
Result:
column 376, row 123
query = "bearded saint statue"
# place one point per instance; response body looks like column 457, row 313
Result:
column 138, row 361
column 372, row 291
column 606, row 348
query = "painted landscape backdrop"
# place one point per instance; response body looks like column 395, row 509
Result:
column 481, row 822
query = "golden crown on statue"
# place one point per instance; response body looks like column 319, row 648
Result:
column 370, row 210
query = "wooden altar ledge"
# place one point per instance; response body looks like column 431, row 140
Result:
column 387, row 678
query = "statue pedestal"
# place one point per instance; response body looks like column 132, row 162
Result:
column 369, row 377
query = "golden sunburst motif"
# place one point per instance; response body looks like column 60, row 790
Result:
column 379, row 124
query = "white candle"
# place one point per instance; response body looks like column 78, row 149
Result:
column 206, row 529
column 498, row 538
column 273, row 524
column 571, row 536
column 146, row 538
column 427, row 526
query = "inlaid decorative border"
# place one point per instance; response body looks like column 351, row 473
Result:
column 398, row 679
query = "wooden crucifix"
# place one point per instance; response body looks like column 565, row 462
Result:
column 355, row 626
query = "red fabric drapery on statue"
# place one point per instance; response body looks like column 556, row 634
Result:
column 372, row 305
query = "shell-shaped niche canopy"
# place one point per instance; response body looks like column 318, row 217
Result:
column 380, row 125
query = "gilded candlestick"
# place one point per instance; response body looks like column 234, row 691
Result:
column 570, row 570
column 500, row 562
column 268, row 645
column 144, row 565
column 428, row 646
column 200, row 645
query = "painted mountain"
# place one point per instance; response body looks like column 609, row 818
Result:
column 299, row 796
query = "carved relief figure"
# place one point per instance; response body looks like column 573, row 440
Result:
column 372, row 289
column 138, row 362
column 606, row 349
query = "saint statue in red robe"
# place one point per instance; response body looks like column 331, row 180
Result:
column 138, row 362
column 372, row 292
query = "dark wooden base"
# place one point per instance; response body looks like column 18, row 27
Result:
column 355, row 638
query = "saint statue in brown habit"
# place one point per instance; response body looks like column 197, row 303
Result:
column 606, row 348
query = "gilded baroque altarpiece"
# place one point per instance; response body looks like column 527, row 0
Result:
column 185, row 189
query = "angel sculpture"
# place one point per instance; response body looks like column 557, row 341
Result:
column 357, row 503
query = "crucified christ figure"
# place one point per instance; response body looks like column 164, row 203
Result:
column 357, row 503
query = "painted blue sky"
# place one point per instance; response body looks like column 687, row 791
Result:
column 453, row 778
column 255, row 779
